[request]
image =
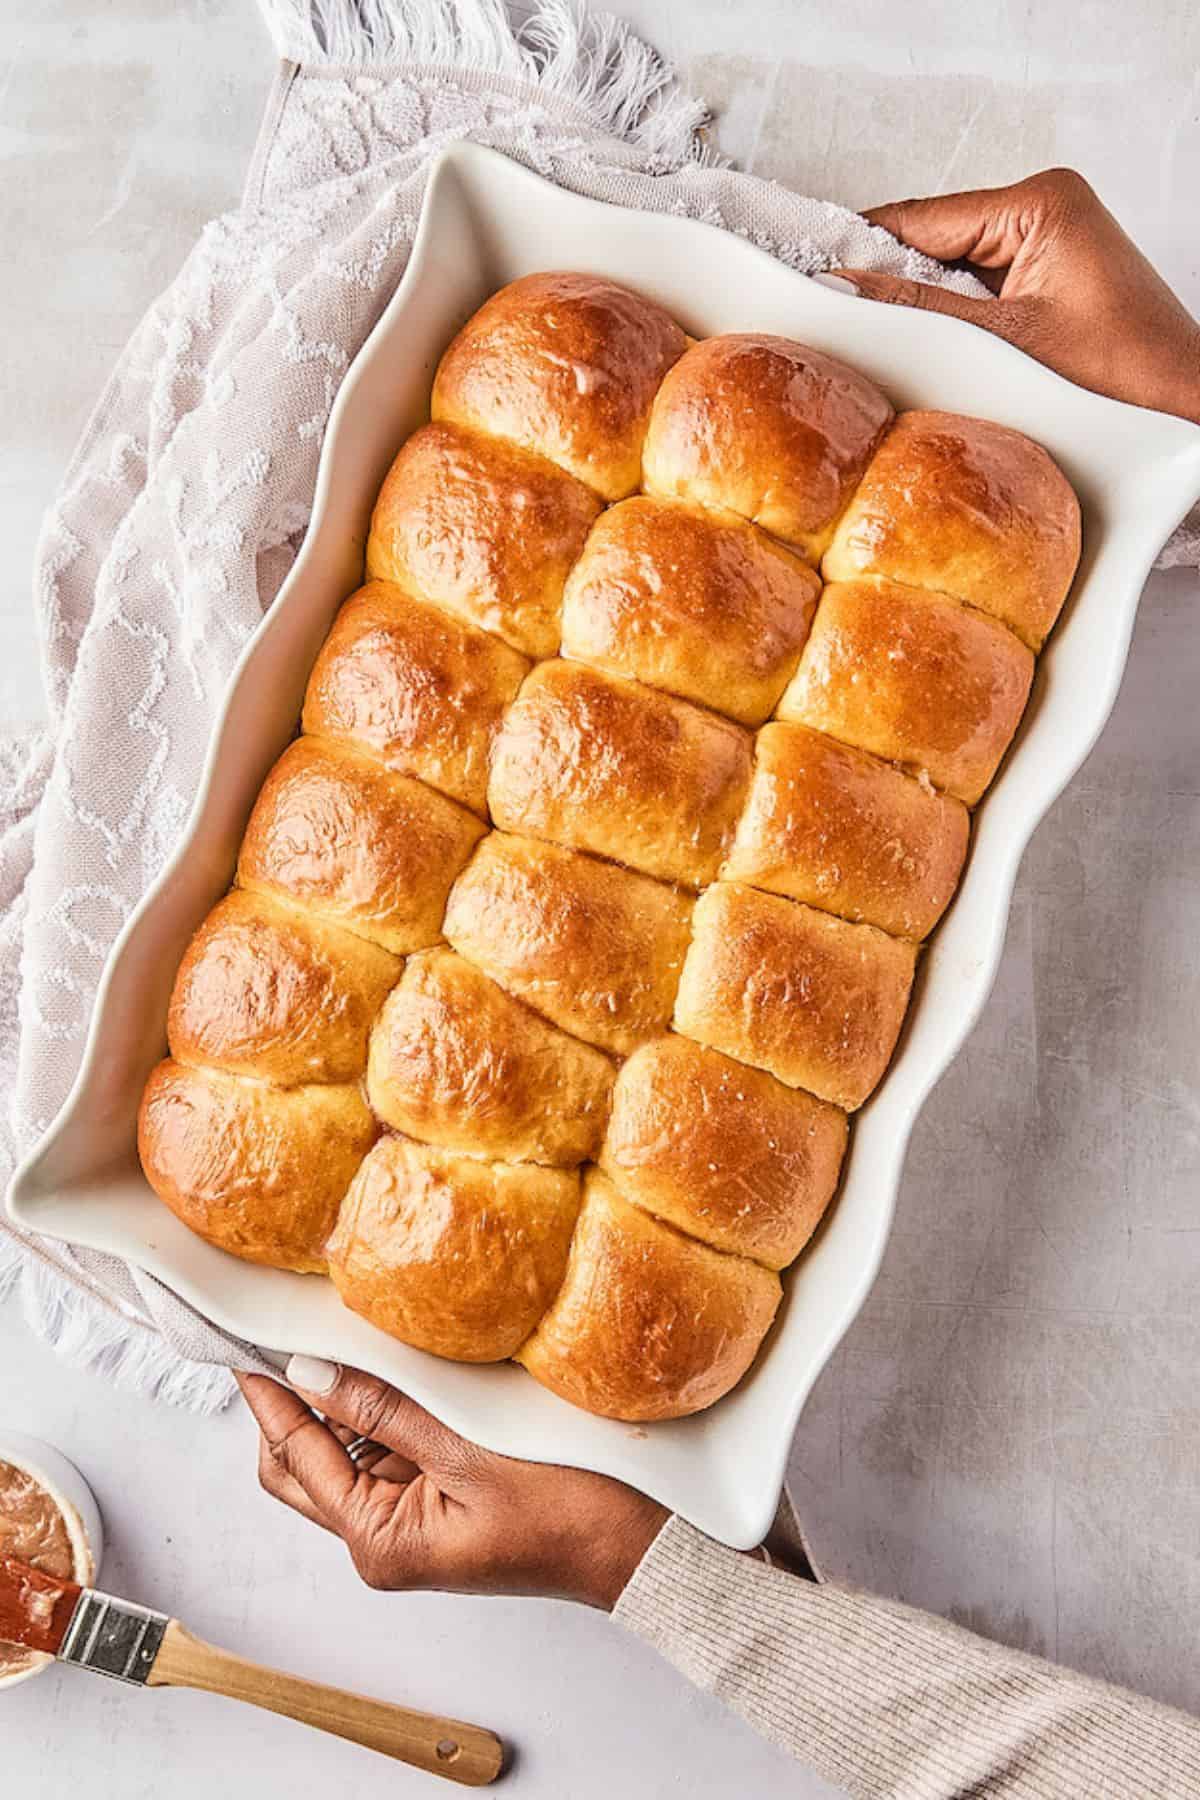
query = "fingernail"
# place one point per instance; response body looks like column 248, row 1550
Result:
column 838, row 283
column 311, row 1374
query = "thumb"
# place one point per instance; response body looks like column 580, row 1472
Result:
column 374, row 1409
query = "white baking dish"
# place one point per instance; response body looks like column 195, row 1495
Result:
column 486, row 221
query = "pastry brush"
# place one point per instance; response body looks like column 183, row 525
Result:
column 147, row 1649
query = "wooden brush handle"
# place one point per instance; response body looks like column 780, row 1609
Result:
column 465, row 1753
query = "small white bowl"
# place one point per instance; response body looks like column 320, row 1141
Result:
column 75, row 1501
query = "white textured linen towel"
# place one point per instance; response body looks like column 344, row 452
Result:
column 188, row 496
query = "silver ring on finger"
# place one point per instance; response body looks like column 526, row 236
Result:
column 361, row 1447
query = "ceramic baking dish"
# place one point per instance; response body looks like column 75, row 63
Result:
column 486, row 221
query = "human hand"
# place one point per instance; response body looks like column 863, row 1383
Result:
column 1071, row 289
column 431, row 1510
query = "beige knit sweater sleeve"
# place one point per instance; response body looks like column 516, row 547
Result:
column 887, row 1701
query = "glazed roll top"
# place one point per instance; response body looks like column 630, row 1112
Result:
column 566, row 366
column 484, row 529
column 258, row 1169
column 456, row 1060
column 923, row 681
column 722, row 1151
column 647, row 1323
column 766, row 428
column 416, row 687
column 373, row 851
column 266, row 990
column 608, row 766
column 417, row 1221
column 968, row 509
column 816, row 1002
column 695, row 602
column 587, row 906
column 589, row 945
column 848, row 833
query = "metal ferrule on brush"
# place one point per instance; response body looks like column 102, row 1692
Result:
column 113, row 1636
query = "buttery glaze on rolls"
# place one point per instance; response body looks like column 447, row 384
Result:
column 926, row 682
column 589, row 945
column 416, row 687
column 414, row 1214
column 455, row 1060
column 724, row 1152
column 271, row 992
column 848, row 833
column 260, row 1170
column 609, row 766
column 969, row 509
column 813, row 1000
column 484, row 529
column 375, row 852
column 648, row 1323
column 698, row 603
column 587, row 905
column 566, row 366
column 766, row 428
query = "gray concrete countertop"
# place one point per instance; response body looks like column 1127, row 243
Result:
column 1008, row 1435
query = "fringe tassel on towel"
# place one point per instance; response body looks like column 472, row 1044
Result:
column 590, row 59
column 105, row 1343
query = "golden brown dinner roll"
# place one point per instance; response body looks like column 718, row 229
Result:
column 454, row 1060
column 971, row 509
column 724, row 1152
column 648, row 1323
column 347, row 838
column 271, row 991
column 451, row 1254
column 419, row 688
column 610, row 766
column 483, row 528
column 768, row 428
column 567, row 366
column 595, row 948
column 924, row 681
column 843, row 831
column 697, row 602
column 813, row 1000
column 258, row 1170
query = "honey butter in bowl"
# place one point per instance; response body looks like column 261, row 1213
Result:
column 49, row 1519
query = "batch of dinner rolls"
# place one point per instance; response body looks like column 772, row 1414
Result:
column 584, row 909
